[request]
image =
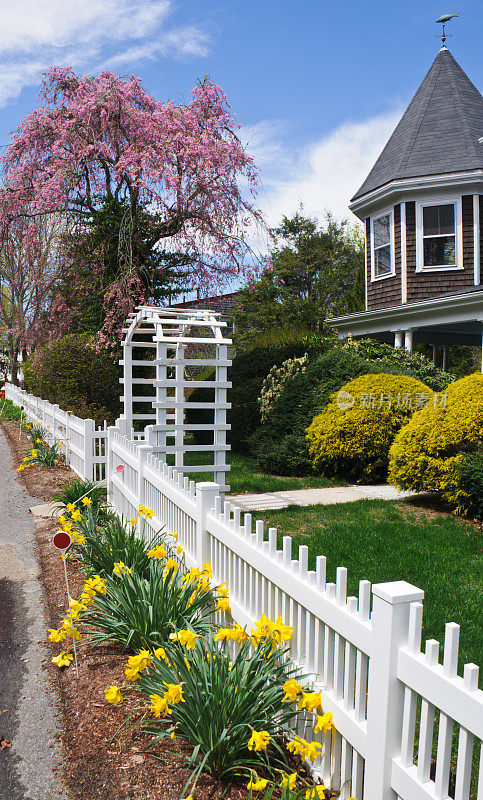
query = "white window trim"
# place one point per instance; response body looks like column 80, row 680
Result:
column 392, row 273
column 458, row 218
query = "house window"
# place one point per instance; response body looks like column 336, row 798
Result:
column 439, row 244
column 439, row 236
column 382, row 246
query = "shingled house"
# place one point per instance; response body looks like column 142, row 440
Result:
column 422, row 208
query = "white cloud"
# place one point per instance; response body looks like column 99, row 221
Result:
column 322, row 175
column 35, row 34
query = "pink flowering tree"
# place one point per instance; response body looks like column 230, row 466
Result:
column 103, row 140
column 29, row 274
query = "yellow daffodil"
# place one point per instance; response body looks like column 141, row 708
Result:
column 70, row 631
column 86, row 501
column 174, row 693
column 120, row 568
column 34, row 453
column 38, row 441
column 222, row 590
column 317, row 793
column 71, row 507
column 324, row 723
column 292, row 689
column 309, row 701
column 76, row 515
column 160, row 654
column 63, row 659
column 223, row 605
column 259, row 740
column 190, row 797
column 288, row 781
column 142, row 509
column 157, row 552
column 159, row 706
column 55, row 635
column 179, row 549
column 312, row 750
column 134, row 520
column 75, row 608
column 172, row 735
column 174, row 535
column 148, row 513
column 257, row 786
column 137, row 663
column 186, row 638
column 171, row 566
column 60, row 444
column 113, row 695
column 300, row 747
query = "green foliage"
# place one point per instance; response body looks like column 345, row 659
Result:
column 430, row 450
column 72, row 492
column 352, row 436
column 388, row 357
column 248, row 372
column 108, row 540
column 10, row 411
column 470, row 479
column 72, row 373
column 226, row 698
column 312, row 273
column 140, row 612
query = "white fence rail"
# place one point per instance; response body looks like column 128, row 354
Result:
column 83, row 445
column 406, row 726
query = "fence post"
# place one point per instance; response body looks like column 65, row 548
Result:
column 143, row 451
column 89, row 428
column 385, row 693
column 206, row 494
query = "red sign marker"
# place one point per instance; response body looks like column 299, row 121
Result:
column 119, row 468
column 61, row 540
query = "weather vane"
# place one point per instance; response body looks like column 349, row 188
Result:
column 444, row 18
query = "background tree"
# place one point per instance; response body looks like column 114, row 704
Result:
column 313, row 272
column 29, row 272
column 168, row 172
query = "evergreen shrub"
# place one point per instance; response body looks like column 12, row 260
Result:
column 352, row 436
column 430, row 452
column 72, row 373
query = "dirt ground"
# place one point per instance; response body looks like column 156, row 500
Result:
column 101, row 759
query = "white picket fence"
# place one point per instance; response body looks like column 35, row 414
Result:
column 83, row 445
column 397, row 711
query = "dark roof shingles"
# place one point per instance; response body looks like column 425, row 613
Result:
column 438, row 132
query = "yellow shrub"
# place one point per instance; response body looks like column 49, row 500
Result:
column 352, row 436
column 427, row 452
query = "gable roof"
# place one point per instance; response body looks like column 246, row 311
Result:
column 438, row 133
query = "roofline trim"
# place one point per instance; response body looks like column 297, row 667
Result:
column 449, row 180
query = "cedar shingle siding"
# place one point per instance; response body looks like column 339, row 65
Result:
column 386, row 292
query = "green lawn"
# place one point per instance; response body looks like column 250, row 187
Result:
column 246, row 477
column 386, row 541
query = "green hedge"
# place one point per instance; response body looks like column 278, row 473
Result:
column 73, row 374
column 471, row 482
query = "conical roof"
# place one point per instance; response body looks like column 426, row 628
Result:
column 439, row 131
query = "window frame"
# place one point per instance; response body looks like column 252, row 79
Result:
column 392, row 273
column 458, row 233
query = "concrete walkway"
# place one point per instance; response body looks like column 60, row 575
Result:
column 27, row 715
column 311, row 497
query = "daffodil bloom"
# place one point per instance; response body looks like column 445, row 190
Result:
column 309, row 701
column 172, row 735
column 70, row 631
column 120, row 568
column 186, row 638
column 222, row 590
column 60, row 444
column 171, row 566
column 174, row 535
column 148, row 513
column 324, row 723
column 298, row 746
column 160, row 654
column 48, row 426
column 159, row 706
column 292, row 689
column 317, row 793
column 235, row 634
column 259, row 740
column 134, row 520
column 281, row 633
column 75, row 608
column 312, row 750
column 131, row 673
column 190, row 797
column 223, row 605
column 157, row 552
column 140, row 661
column 288, row 781
column 55, row 635
column 63, row 659
column 179, row 549
column 257, row 786
column 76, row 515
column 71, row 507
column 34, row 453
column 38, row 441
column 86, row 501
column 113, row 695
column 142, row 509
column 174, row 693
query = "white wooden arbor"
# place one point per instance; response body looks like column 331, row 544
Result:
column 166, row 355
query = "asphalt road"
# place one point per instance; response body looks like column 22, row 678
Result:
column 27, row 714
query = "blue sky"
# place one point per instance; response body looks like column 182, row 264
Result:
column 317, row 86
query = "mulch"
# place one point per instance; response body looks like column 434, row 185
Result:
column 99, row 763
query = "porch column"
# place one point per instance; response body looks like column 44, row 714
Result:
column 398, row 339
column 445, row 358
column 435, row 354
column 408, row 340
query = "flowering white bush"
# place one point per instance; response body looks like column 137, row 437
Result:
column 275, row 381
